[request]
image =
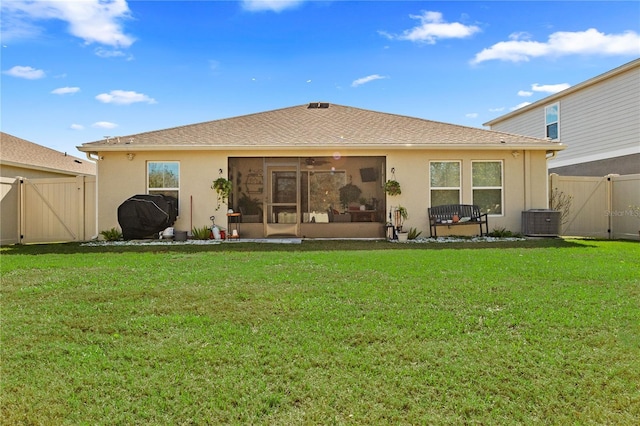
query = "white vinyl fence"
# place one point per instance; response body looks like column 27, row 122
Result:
column 47, row 210
column 601, row 207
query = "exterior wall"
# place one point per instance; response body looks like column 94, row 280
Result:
column 120, row 178
column 597, row 122
column 524, row 182
column 13, row 171
column 524, row 185
column 627, row 165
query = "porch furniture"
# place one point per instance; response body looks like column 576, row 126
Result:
column 466, row 214
column 335, row 216
column 316, row 217
column 234, row 219
column 287, row 217
column 363, row 215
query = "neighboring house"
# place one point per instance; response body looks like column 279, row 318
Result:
column 19, row 157
column 598, row 120
column 46, row 195
column 288, row 166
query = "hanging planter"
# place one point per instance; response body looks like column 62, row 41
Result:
column 223, row 188
column 392, row 187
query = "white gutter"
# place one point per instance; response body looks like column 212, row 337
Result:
column 493, row 147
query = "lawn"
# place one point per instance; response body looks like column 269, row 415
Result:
column 533, row 332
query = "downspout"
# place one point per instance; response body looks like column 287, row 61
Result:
column 89, row 156
column 550, row 156
column 97, row 158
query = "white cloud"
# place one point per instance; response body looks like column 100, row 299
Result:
column 94, row 21
column 124, row 97
column 589, row 42
column 550, row 88
column 499, row 109
column 29, row 73
column 524, row 93
column 520, row 105
column 104, row 125
column 78, row 126
column 65, row 90
column 272, row 5
column 472, row 115
column 112, row 53
column 432, row 28
column 367, row 79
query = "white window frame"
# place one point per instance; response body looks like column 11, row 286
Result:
column 548, row 123
column 501, row 187
column 163, row 189
column 446, row 188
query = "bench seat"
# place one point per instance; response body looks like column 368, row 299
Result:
column 467, row 214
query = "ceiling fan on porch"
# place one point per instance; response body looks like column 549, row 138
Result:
column 311, row 162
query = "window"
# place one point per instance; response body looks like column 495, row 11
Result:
column 163, row 178
column 444, row 182
column 551, row 119
column 486, row 179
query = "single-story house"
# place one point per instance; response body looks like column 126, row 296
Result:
column 289, row 168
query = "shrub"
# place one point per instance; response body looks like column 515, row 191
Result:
column 112, row 234
column 503, row 233
column 202, row 233
column 413, row 234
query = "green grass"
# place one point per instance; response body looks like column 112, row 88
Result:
column 533, row 332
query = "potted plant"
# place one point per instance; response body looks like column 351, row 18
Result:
column 400, row 216
column 349, row 194
column 363, row 203
column 223, row 188
column 392, row 187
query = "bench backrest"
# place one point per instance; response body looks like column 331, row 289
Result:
column 447, row 212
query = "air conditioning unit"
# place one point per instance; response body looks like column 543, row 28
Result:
column 541, row 223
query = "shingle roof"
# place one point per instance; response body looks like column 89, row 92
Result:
column 22, row 153
column 301, row 126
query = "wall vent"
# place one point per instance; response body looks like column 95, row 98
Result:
column 541, row 223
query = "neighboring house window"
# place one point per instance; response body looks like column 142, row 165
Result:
column 163, row 178
column 445, row 182
column 486, row 177
column 552, row 120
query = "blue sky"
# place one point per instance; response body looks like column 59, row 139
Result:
column 75, row 71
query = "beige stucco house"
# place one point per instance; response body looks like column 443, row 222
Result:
column 597, row 119
column 288, row 166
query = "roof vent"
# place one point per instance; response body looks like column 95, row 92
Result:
column 317, row 105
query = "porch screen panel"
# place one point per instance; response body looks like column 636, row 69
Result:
column 324, row 190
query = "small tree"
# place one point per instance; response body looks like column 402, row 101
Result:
column 561, row 202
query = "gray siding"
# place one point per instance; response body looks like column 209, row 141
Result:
column 601, row 119
column 597, row 122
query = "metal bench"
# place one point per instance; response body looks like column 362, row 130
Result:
column 456, row 214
